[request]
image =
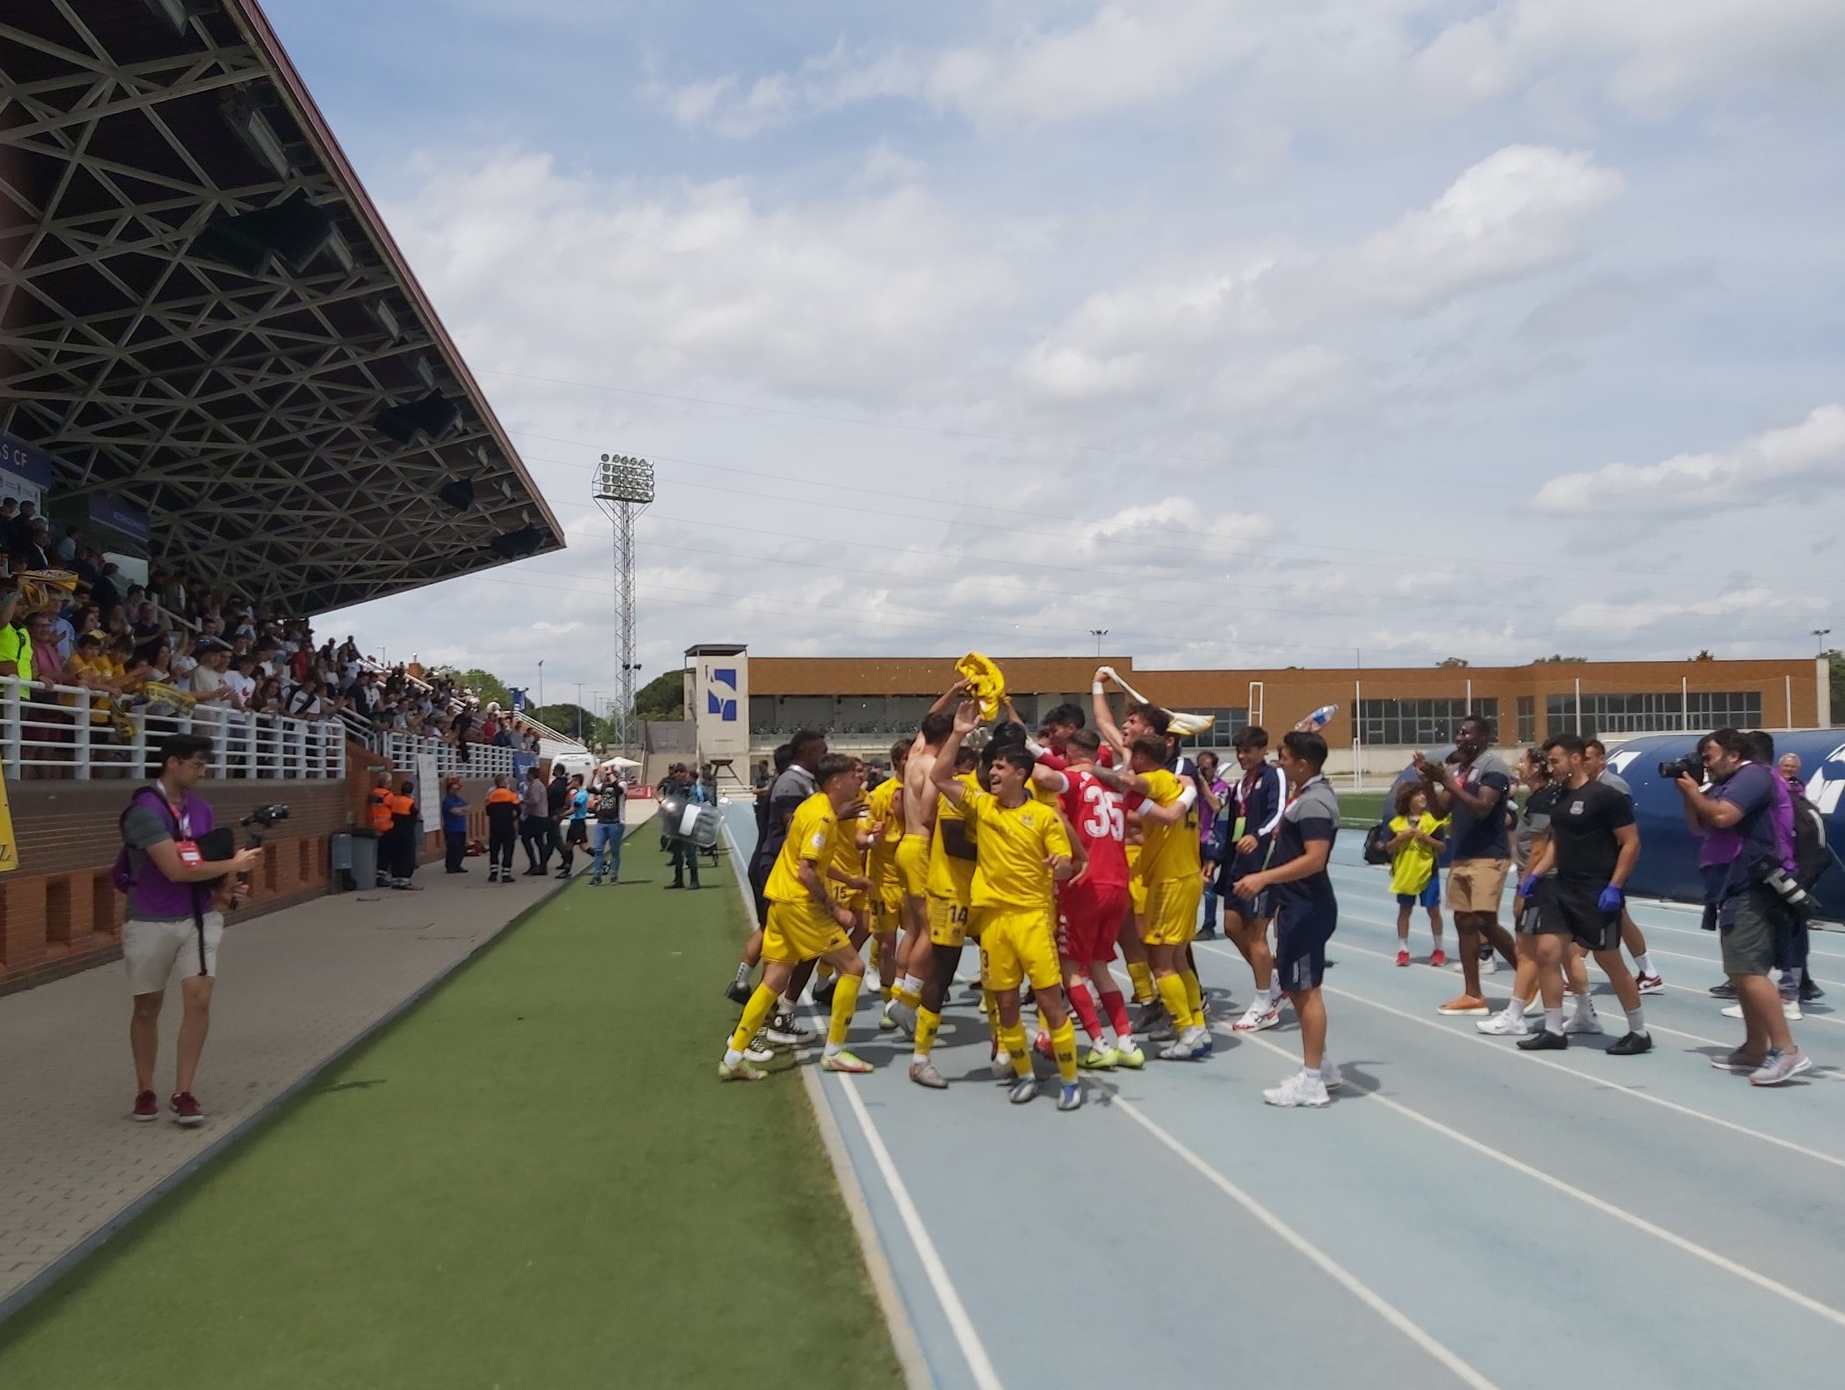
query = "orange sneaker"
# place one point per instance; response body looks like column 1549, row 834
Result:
column 1465, row 1004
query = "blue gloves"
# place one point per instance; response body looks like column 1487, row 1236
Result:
column 1527, row 886
column 1611, row 899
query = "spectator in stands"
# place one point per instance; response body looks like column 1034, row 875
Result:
column 104, row 591
column 535, row 824
column 454, row 826
column 15, row 640
column 241, row 679
column 47, row 665
column 206, row 682
column 268, row 696
column 61, row 632
column 146, row 622
column 65, row 551
column 9, row 516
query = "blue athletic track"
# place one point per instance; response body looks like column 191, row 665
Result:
column 1462, row 1213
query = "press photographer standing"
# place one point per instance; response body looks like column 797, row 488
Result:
column 1739, row 810
column 174, row 919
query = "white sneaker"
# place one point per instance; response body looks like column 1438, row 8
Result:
column 1298, row 1089
column 1002, row 1065
column 1257, row 1017
column 1330, row 1074
column 758, row 1051
column 1490, row 966
column 1790, row 1009
column 1503, row 1025
column 1582, row 1021
column 1188, row 1046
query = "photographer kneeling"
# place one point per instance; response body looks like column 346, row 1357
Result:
column 175, row 918
column 1742, row 857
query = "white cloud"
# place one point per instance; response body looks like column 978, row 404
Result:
column 1809, row 456
column 1610, row 618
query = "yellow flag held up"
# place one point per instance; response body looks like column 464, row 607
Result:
column 988, row 681
column 9, row 847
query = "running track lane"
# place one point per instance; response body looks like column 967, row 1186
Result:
column 1673, row 1224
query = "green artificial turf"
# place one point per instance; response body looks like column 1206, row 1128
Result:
column 1361, row 808
column 534, row 1179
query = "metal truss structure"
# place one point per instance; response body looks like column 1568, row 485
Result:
column 202, row 314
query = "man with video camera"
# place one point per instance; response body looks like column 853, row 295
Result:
column 179, row 874
column 1742, row 859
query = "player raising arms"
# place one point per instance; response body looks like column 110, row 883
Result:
column 1171, row 868
column 918, row 800
column 804, row 924
column 1091, row 904
column 1022, row 849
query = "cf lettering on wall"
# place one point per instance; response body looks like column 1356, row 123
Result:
column 721, row 704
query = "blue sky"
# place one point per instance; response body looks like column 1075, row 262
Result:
column 1255, row 334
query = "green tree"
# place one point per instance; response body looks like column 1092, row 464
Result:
column 663, row 697
column 488, row 686
column 1556, row 660
column 1704, row 654
column 1451, row 661
column 1836, row 659
column 564, row 718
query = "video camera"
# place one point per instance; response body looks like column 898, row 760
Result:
column 1675, row 768
column 259, row 823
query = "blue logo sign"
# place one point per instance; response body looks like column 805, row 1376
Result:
column 725, row 710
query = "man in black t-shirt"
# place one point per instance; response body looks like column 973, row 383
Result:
column 1473, row 791
column 1593, row 846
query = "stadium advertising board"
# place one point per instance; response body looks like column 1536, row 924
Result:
column 720, row 706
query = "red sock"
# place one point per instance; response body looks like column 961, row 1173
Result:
column 1117, row 1011
column 1084, row 1003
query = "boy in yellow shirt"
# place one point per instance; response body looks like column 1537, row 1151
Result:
column 1415, row 844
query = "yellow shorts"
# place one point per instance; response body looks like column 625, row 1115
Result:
column 851, row 899
column 1137, row 894
column 1017, row 944
column 800, row 931
column 1172, row 911
column 947, row 923
column 887, row 910
column 913, row 865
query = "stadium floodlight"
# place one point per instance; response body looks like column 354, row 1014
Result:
column 623, row 488
column 387, row 318
column 1820, row 634
column 250, row 123
column 623, row 479
column 178, row 13
column 1098, row 633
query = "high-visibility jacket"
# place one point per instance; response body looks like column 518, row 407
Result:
column 381, row 809
column 403, row 807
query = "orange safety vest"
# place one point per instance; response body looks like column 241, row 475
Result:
column 381, row 809
column 403, row 805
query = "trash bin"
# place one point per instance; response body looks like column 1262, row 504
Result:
column 364, row 869
column 339, row 848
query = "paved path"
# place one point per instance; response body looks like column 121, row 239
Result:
column 1462, row 1214
column 294, row 989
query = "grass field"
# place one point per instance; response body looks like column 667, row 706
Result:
column 532, row 1180
column 1357, row 807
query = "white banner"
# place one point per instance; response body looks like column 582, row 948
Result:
column 428, row 792
column 721, row 706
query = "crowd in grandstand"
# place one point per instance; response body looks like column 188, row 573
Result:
column 69, row 619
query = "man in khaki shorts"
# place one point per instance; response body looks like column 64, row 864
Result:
column 174, row 919
column 1473, row 791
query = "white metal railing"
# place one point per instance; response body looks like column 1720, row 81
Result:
column 483, row 760
column 67, row 731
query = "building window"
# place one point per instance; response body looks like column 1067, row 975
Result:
column 1226, row 724
column 1416, row 723
column 1657, row 712
column 1527, row 719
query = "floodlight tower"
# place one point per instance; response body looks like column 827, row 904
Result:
column 623, row 488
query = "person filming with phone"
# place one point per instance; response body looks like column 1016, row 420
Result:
column 179, row 876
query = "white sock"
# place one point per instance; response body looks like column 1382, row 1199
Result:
column 732, row 1056
column 1311, row 1072
column 1274, row 990
column 1790, row 979
column 1636, row 1020
column 918, row 1058
column 791, row 1002
column 1515, row 1007
column 833, row 1049
column 1583, row 1003
column 743, row 973
column 912, row 984
column 1643, row 963
column 1553, row 1021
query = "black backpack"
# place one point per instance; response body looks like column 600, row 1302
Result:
column 1810, row 856
column 1377, row 843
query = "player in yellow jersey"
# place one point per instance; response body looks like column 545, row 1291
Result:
column 847, row 881
column 1170, row 867
column 1022, row 852
column 804, row 923
column 918, row 800
column 951, row 887
column 885, row 809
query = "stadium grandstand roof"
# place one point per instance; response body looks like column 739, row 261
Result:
column 203, row 316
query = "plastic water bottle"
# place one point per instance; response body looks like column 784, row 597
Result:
column 1319, row 719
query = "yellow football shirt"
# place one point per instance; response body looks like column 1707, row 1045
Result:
column 1013, row 843
column 1168, row 851
column 882, row 807
column 950, row 876
column 811, row 833
column 848, row 858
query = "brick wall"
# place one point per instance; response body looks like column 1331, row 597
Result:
column 59, row 913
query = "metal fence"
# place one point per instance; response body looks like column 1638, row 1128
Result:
column 67, row 731
column 483, row 760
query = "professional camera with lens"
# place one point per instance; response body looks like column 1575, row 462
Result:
column 264, row 819
column 1682, row 767
column 1800, row 903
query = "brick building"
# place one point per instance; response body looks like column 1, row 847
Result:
column 864, row 702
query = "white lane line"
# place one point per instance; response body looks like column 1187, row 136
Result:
column 952, row 1308
column 1352, row 1284
column 1593, row 1080
column 1589, row 1199
column 1825, row 1073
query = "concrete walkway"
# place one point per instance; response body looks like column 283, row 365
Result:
column 295, row 988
